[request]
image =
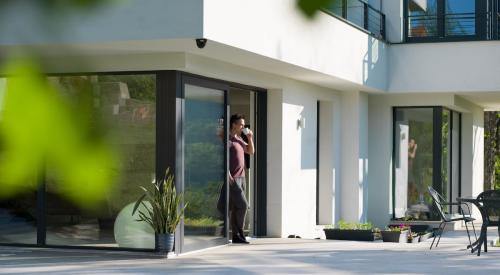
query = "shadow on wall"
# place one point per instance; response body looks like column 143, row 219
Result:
column 375, row 64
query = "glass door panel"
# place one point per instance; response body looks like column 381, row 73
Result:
column 204, row 166
column 413, row 162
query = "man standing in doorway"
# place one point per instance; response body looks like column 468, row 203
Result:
column 237, row 149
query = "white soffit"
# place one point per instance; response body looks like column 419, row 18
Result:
column 490, row 101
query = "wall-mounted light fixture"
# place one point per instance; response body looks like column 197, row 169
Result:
column 301, row 122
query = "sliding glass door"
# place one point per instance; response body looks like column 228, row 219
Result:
column 204, row 164
column 426, row 153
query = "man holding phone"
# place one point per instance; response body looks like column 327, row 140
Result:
column 237, row 149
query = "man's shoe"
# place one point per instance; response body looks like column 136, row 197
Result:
column 238, row 239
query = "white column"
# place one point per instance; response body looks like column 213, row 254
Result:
column 328, row 163
column 380, row 156
column 354, row 156
column 274, row 163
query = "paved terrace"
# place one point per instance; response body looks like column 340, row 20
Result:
column 282, row 256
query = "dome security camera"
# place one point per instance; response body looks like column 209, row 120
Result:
column 201, row 42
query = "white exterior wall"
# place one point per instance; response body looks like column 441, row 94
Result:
column 275, row 29
column 445, row 67
column 22, row 22
column 299, row 157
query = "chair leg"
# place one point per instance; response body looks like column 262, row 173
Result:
column 468, row 235
column 473, row 228
column 438, row 231
column 486, row 241
column 442, row 230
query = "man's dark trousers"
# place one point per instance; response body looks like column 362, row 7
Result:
column 238, row 206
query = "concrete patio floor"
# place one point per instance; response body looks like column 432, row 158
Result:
column 277, row 256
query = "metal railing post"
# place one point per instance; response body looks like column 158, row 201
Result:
column 382, row 25
column 365, row 15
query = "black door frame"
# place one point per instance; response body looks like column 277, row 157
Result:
column 437, row 120
column 260, row 141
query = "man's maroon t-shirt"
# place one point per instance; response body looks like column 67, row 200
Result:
column 237, row 156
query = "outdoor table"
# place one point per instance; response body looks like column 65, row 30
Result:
column 476, row 246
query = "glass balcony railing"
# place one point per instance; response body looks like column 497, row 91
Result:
column 360, row 14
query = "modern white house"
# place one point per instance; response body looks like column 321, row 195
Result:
column 337, row 104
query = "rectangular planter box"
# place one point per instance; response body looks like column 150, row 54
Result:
column 349, row 234
column 395, row 236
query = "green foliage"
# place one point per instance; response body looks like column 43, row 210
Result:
column 311, row 7
column 398, row 228
column 203, row 200
column 201, row 222
column 343, row 225
column 162, row 205
column 40, row 128
column 141, row 87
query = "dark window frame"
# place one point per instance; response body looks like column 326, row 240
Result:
column 41, row 191
column 437, row 150
column 481, row 24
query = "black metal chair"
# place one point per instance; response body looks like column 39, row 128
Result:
column 490, row 200
column 439, row 203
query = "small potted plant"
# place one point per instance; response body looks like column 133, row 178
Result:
column 396, row 234
column 350, row 231
column 161, row 209
column 413, row 237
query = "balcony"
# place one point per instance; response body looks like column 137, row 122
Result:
column 360, row 15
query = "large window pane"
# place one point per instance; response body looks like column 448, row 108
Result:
column 203, row 166
column 460, row 18
column 126, row 105
column 422, row 18
column 413, row 162
column 17, row 214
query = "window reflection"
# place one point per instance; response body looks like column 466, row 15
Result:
column 414, row 162
column 203, row 167
column 422, row 18
column 460, row 17
column 423, row 135
column 126, row 105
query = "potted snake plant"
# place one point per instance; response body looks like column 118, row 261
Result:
column 162, row 210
